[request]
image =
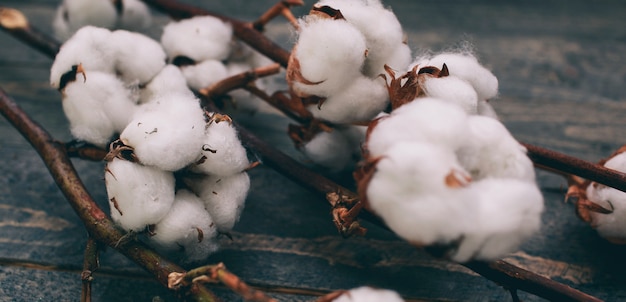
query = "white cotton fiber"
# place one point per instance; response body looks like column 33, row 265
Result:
column 187, row 226
column 466, row 67
column 223, row 197
column 221, row 151
column 451, row 89
column 331, row 52
column 509, row 212
column 382, row 31
column 204, row 74
column 426, row 120
column 167, row 132
column 89, row 47
column 360, row 101
column 611, row 226
column 169, row 80
column 330, row 150
column 368, row 294
column 199, row 38
column 138, row 195
column 71, row 15
column 491, row 151
column 98, row 107
column 135, row 16
column 485, row 109
column 138, row 58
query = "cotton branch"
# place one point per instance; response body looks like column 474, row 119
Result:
column 16, row 24
column 282, row 7
column 98, row 225
column 239, row 80
column 90, row 264
column 217, row 273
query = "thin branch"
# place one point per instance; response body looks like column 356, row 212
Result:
column 98, row 225
column 218, row 273
column 282, row 7
column 240, row 80
column 16, row 24
column 90, row 265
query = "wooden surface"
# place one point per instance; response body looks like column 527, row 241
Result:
column 562, row 71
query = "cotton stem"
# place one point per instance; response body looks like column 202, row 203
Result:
column 218, row 273
column 280, row 8
column 16, row 24
column 90, row 265
column 240, row 80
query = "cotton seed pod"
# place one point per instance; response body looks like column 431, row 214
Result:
column 187, row 227
column 382, row 31
column 466, row 67
column 223, row 197
column 135, row 16
column 491, row 151
column 426, row 120
column 138, row 195
column 167, row 133
column 508, row 211
column 169, row 80
column 98, row 107
column 221, row 151
column 328, row 55
column 199, row 38
column 87, row 48
column 137, row 58
column 451, row 89
column 71, row 15
column 360, row 101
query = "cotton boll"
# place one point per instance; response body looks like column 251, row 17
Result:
column 187, row 226
column 223, row 197
column 167, row 133
column 509, row 212
column 199, row 38
column 88, row 47
column 485, row 109
column 97, row 108
column 363, row 99
column 368, row 294
column 426, row 120
column 330, row 150
column 330, row 52
column 452, row 89
column 138, row 58
column 169, row 80
column 138, row 195
column 398, row 59
column 221, row 151
column 491, row 151
column 467, row 68
column 135, row 16
column 204, row 74
column 71, row 15
column 382, row 30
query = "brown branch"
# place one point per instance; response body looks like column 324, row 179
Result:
column 98, row 225
column 282, row 7
column 240, row 80
column 242, row 30
column 90, row 264
column 218, row 273
column 16, row 24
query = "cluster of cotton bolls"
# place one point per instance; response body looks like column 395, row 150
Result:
column 204, row 49
column 176, row 170
column 334, row 70
column 438, row 173
column 71, row 15
column 603, row 207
